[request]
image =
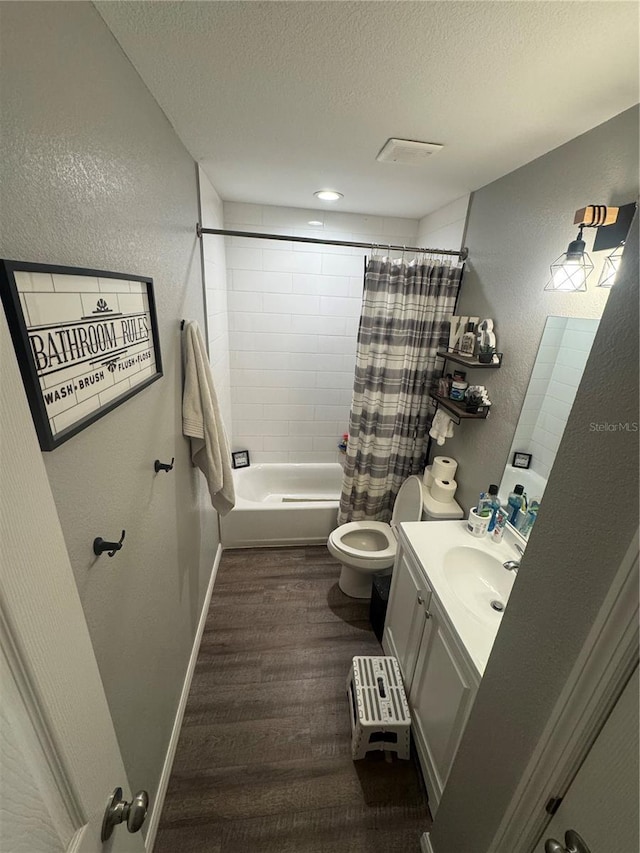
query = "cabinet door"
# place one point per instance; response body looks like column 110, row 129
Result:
column 403, row 628
column 441, row 696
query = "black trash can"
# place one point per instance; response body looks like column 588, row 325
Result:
column 379, row 602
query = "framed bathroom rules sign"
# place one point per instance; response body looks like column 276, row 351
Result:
column 86, row 340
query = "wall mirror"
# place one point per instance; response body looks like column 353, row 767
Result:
column 564, row 349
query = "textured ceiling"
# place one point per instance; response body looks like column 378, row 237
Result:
column 278, row 99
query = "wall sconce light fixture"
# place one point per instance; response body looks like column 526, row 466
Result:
column 570, row 271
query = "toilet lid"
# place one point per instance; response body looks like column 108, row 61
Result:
column 408, row 505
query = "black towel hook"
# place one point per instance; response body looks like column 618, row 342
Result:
column 99, row 545
column 163, row 466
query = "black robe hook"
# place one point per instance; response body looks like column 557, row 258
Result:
column 99, row 545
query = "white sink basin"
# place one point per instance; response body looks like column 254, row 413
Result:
column 478, row 580
column 465, row 574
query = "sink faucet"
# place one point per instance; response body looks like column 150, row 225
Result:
column 511, row 566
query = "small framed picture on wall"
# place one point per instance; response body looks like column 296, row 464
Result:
column 521, row 460
column 240, row 459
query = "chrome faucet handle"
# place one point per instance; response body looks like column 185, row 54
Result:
column 511, row 566
column 519, row 549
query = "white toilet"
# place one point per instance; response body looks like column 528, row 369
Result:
column 367, row 547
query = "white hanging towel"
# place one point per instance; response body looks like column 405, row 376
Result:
column 202, row 423
column 441, row 427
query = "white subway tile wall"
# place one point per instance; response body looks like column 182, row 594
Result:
column 444, row 228
column 215, row 282
column 293, row 314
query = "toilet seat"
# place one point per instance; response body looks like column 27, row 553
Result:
column 385, row 555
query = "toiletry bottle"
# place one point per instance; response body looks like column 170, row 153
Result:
column 500, row 524
column 444, row 385
column 488, row 504
column 458, row 386
column 516, row 502
column 468, row 340
column 530, row 517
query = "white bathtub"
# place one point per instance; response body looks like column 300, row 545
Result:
column 283, row 504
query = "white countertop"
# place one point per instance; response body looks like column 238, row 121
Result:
column 430, row 541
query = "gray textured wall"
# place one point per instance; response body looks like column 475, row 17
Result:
column 517, row 226
column 93, row 175
column 587, row 521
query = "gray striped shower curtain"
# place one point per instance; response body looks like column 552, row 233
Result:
column 406, row 310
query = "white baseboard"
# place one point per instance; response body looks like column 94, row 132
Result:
column 425, row 843
column 154, row 819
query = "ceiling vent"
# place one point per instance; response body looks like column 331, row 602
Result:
column 407, row 151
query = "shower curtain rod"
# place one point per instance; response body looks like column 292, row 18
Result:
column 461, row 254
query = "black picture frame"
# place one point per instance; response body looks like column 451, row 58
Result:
column 10, row 293
column 521, row 460
column 240, row 459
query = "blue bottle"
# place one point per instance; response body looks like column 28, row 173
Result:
column 489, row 505
column 516, row 502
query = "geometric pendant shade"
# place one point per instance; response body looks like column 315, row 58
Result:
column 610, row 268
column 570, row 271
column 570, row 275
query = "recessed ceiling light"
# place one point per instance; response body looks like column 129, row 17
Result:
column 328, row 195
column 316, row 223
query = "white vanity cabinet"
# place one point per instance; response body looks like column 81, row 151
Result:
column 441, row 694
column 406, row 618
column 439, row 677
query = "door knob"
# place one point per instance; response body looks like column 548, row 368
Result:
column 574, row 842
column 119, row 811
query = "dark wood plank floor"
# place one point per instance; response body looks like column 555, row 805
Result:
column 263, row 764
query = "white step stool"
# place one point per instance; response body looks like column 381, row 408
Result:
column 380, row 716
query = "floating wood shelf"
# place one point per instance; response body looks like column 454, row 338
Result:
column 459, row 411
column 469, row 361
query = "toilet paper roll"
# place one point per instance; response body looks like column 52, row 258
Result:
column 443, row 490
column 427, row 477
column 444, row 468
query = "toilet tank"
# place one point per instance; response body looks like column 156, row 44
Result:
column 433, row 510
